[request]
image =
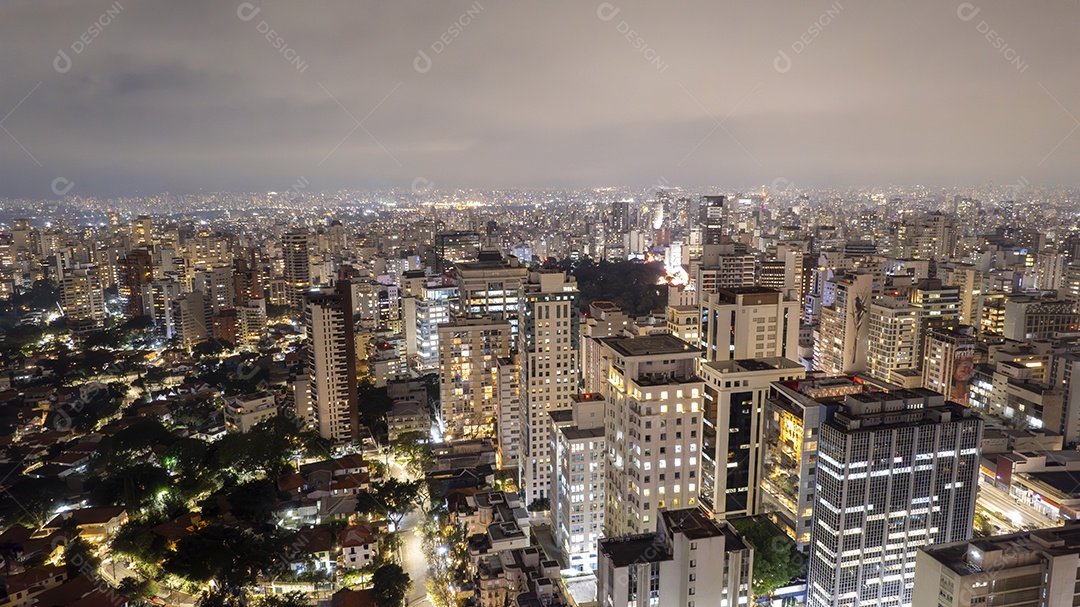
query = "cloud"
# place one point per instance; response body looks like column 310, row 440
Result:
column 183, row 96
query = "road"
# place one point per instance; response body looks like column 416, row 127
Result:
column 991, row 499
column 412, row 558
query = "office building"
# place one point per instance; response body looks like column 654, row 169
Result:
column 735, row 393
column 792, row 416
column 896, row 472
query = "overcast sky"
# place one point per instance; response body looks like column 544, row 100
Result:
column 187, row 95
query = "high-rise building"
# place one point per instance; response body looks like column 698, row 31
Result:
column 792, row 419
column 468, row 363
column 83, row 300
column 841, row 347
column 490, row 287
column 296, row 247
column 510, row 413
column 654, row 429
column 735, row 392
column 748, row 322
column 713, row 219
column 939, row 308
column 452, row 248
column 1029, row 569
column 423, row 315
column 892, row 341
column 690, row 560
column 896, row 472
column 332, row 362
column 548, row 349
column 577, row 493
column 190, row 312
column 158, row 298
column 950, row 363
column 136, row 270
column 620, row 216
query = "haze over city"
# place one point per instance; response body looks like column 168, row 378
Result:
column 228, row 96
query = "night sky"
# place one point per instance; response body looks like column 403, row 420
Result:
column 191, row 95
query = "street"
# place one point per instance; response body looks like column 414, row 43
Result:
column 412, row 558
column 1015, row 517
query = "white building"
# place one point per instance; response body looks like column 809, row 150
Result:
column 749, row 322
column 654, row 430
column 548, row 359
column 1029, row 569
column 577, row 495
column 242, row 413
column 332, row 362
column 690, row 561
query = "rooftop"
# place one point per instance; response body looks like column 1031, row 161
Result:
column 649, row 345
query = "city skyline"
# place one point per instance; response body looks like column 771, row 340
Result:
column 237, row 97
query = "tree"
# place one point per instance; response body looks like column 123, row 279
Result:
column 79, row 557
column 137, row 589
column 777, row 559
column 396, row 498
column 412, row 447
column 391, row 584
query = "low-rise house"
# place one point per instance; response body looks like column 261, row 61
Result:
column 359, row 546
column 93, row 524
column 242, row 413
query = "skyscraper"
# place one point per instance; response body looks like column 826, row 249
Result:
column 83, row 300
column 296, row 251
column 548, row 347
column 654, row 429
column 735, row 392
column 469, row 354
column 713, row 219
column 748, row 322
column 897, row 471
column 335, row 405
column 841, row 347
